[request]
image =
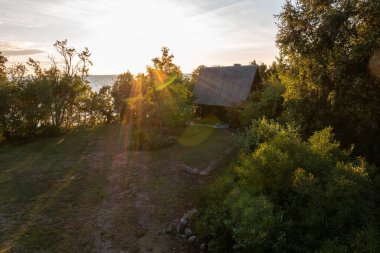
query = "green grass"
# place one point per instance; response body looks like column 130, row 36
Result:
column 74, row 192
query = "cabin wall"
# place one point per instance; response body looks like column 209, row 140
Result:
column 207, row 110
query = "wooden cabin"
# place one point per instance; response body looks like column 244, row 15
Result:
column 219, row 88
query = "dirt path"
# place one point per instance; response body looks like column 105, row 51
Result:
column 131, row 174
column 126, row 184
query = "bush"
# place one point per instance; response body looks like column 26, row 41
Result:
column 49, row 131
column 150, row 139
column 289, row 195
column 266, row 102
column 261, row 131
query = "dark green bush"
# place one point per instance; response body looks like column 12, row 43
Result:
column 49, row 131
column 289, row 195
column 261, row 131
column 266, row 102
column 150, row 139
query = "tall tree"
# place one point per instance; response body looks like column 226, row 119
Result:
column 169, row 96
column 104, row 103
column 69, row 82
column 121, row 91
column 3, row 73
column 4, row 96
column 325, row 48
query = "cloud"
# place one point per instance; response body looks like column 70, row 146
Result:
column 22, row 52
column 10, row 48
column 123, row 33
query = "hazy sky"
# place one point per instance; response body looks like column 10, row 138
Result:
column 125, row 35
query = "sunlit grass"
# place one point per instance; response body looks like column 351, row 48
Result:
column 195, row 135
column 52, row 190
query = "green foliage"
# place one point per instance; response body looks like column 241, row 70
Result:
column 161, row 98
column 212, row 228
column 153, row 102
column 168, row 95
column 3, row 69
column 121, row 91
column 289, row 195
column 32, row 97
column 266, row 102
column 252, row 220
column 261, row 131
column 194, row 76
column 49, row 130
column 266, row 72
column 325, row 49
column 103, row 104
column 150, row 139
column 37, row 101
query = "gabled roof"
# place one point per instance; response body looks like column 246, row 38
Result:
column 224, row 86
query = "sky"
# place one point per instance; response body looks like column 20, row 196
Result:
column 125, row 35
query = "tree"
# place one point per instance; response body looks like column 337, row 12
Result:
column 104, row 104
column 267, row 101
column 3, row 69
column 68, row 82
column 5, row 98
column 194, row 76
column 165, row 64
column 263, row 69
column 33, row 98
column 158, row 99
column 153, row 103
column 168, row 96
column 121, row 91
column 325, row 47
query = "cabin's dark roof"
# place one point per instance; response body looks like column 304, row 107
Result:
column 224, row 86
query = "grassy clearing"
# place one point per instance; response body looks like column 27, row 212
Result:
column 86, row 192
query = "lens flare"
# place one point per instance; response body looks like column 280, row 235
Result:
column 199, row 131
column 195, row 135
column 162, row 80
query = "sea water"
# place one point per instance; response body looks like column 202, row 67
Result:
column 98, row 81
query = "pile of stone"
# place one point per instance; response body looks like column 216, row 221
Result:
column 185, row 232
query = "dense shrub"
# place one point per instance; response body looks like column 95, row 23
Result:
column 49, row 130
column 260, row 131
column 32, row 97
column 289, row 195
column 266, row 102
column 150, row 139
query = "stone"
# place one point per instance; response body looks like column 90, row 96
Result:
column 188, row 232
column 190, row 214
column 182, row 224
column 192, row 239
column 203, row 247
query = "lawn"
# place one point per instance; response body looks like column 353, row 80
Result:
column 85, row 192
